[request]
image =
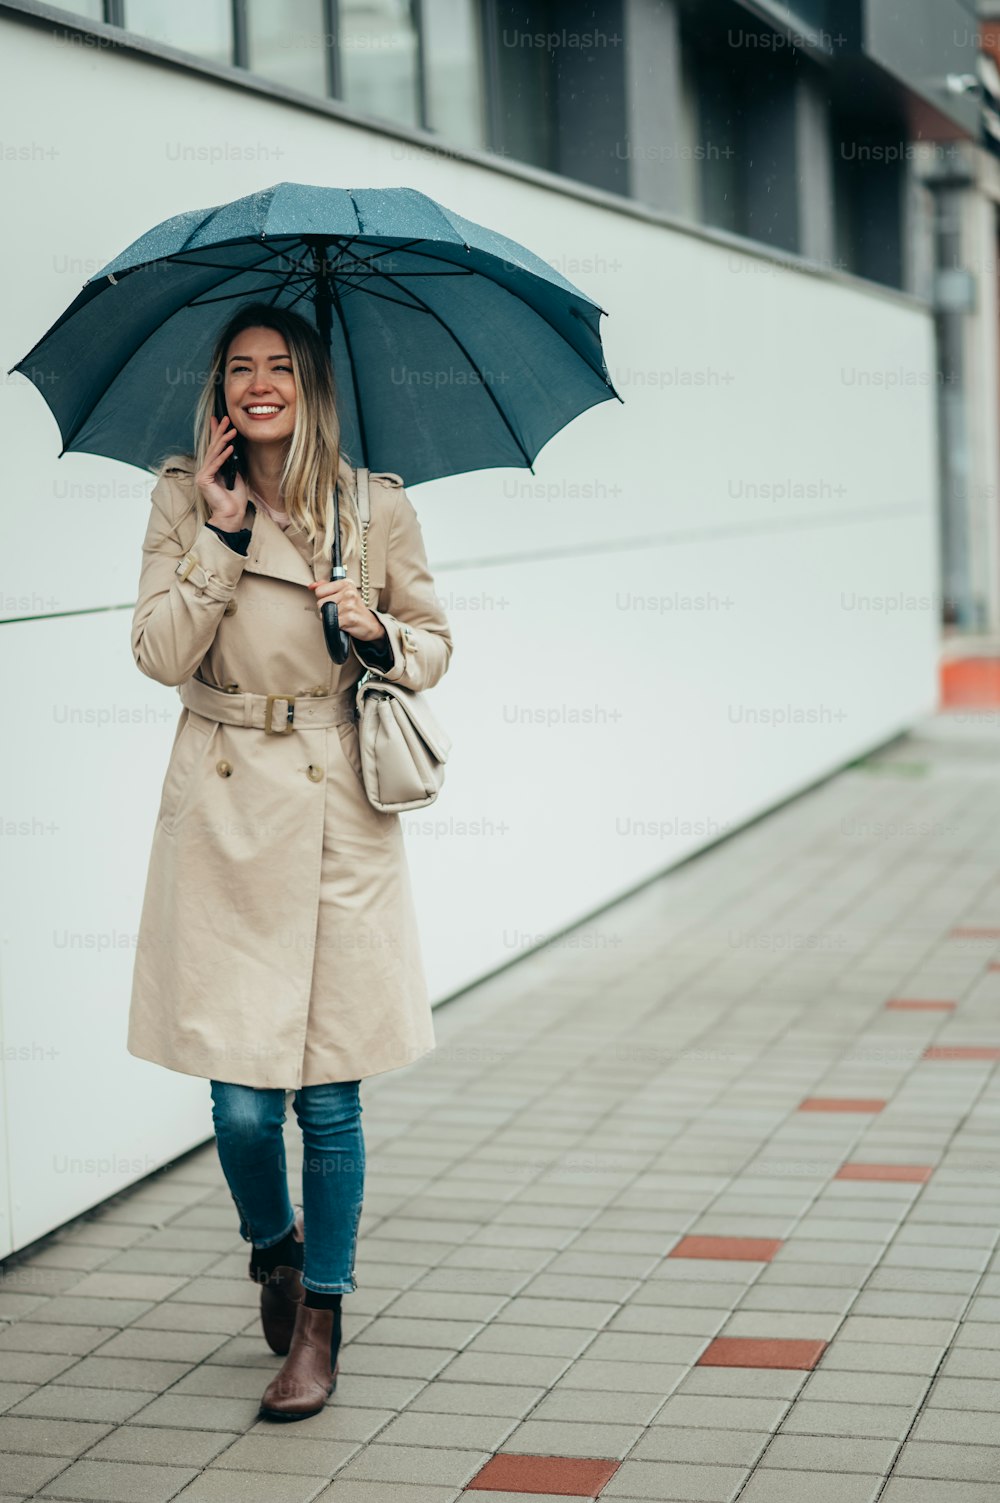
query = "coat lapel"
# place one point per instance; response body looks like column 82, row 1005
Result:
column 271, row 552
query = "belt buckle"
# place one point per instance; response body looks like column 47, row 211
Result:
column 271, row 729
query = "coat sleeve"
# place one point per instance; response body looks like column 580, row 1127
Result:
column 182, row 595
column 417, row 627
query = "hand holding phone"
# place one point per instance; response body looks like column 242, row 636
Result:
column 228, row 503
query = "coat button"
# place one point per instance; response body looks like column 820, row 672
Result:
column 314, row 773
column 224, row 769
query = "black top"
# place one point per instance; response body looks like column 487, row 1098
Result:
column 379, row 652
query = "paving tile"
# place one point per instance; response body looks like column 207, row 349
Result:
column 72, row 1309
column 441, row 1466
column 917, row 1173
column 570, row 1438
column 624, row 1377
column 47, row 1437
column 851, row 1104
column 870, row 1356
column 282, row 1452
column 976, row 1427
column 761, row 1352
column 949, row 1461
column 25, row 1474
column 174, row 1447
column 820, row 1417
column 921, row 1490
column 825, row 1453
column 532, row 1341
column 498, row 1399
column 721, row 1412
column 774, row 1324
column 479, row 1432
column 885, row 1328
column 745, row 1382
column 672, row 1320
column 746, row 1249
column 188, row 1412
column 773, row 1485
column 866, row 1388
column 962, row 1051
column 34, row 1367
column 244, row 1487
column 96, row 1404
column 700, row 1444
column 904, row 1303
column 127, row 1286
column 594, row 1405
column 36, row 1336
column 971, row 1363
column 124, row 1372
column 912, row 1004
column 669, row 1481
column 117, row 1482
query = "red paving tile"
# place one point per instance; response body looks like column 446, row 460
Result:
column 961, row 1051
column 507, row 1472
column 753, row 1351
column 753, row 1249
column 919, row 1172
column 971, row 683
column 913, row 1004
column 840, row 1104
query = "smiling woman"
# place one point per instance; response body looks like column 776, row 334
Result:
column 278, row 946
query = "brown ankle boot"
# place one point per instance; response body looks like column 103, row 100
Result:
column 305, row 1381
column 281, row 1293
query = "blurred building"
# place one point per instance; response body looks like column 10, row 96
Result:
column 702, row 601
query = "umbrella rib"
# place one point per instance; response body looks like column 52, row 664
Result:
column 475, row 366
column 354, row 376
column 511, row 292
column 85, row 416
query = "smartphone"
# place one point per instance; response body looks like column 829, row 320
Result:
column 236, row 462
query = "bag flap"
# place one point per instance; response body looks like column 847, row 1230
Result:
column 419, row 711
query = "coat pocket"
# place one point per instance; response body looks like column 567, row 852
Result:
column 350, row 745
column 190, row 743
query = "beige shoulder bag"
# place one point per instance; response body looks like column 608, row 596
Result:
column 403, row 748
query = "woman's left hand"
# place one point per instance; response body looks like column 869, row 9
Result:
column 353, row 616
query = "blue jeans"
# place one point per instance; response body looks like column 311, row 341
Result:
column 248, row 1134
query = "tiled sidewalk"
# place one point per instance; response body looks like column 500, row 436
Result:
column 699, row 1203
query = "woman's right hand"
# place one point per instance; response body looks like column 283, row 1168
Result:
column 228, row 507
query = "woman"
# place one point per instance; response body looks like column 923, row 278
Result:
column 277, row 947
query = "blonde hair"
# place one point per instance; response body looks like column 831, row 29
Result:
column 314, row 460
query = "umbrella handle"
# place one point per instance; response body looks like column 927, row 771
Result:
column 338, row 643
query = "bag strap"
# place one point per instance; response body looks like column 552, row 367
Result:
column 364, row 499
column 364, row 512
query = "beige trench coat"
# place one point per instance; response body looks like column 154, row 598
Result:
column 277, row 944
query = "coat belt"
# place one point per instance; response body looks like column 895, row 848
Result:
column 277, row 714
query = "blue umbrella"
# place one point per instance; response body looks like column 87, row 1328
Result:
column 453, row 347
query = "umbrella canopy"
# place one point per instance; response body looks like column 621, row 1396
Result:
column 453, row 347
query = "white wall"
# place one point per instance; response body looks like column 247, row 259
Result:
column 645, row 591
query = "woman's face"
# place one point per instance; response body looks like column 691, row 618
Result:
column 259, row 386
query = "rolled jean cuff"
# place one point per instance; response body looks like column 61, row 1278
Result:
column 271, row 1241
column 330, row 1288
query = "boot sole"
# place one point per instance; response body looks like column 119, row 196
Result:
column 288, row 1415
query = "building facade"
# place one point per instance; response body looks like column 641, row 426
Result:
column 701, row 602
